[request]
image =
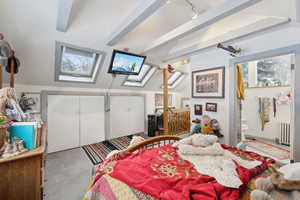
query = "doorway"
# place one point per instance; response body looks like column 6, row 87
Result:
column 234, row 114
column 266, row 112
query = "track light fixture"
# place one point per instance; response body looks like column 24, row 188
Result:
column 233, row 51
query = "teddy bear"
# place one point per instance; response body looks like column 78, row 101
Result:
column 276, row 187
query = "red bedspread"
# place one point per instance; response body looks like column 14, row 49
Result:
column 161, row 173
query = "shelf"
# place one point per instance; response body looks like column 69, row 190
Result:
column 36, row 152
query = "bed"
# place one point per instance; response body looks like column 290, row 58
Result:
column 153, row 170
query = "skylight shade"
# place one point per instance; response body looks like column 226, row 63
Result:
column 77, row 64
column 133, row 81
column 145, row 69
column 176, row 83
column 174, row 77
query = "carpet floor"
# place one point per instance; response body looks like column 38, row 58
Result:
column 98, row 152
column 67, row 175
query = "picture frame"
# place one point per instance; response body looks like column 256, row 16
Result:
column 198, row 110
column 208, row 83
column 211, row 107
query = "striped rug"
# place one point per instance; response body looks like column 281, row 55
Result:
column 98, row 152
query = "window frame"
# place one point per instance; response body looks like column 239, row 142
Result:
column 180, row 78
column 98, row 61
column 152, row 67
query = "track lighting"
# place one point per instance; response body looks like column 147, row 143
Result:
column 230, row 49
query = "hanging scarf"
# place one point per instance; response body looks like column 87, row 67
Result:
column 240, row 83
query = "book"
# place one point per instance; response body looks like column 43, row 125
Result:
column 27, row 131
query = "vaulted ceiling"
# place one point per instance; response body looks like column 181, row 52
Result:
column 30, row 27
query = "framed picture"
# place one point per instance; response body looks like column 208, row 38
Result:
column 198, row 109
column 208, row 83
column 211, row 107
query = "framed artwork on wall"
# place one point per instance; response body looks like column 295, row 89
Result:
column 198, row 109
column 211, row 107
column 208, row 83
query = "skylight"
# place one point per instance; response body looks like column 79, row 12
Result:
column 142, row 78
column 174, row 79
column 76, row 64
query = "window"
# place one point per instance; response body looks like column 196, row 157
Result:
column 268, row 72
column 76, row 64
column 142, row 78
column 174, row 79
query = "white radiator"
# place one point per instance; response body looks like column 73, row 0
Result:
column 285, row 133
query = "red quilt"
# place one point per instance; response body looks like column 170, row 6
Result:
column 161, row 173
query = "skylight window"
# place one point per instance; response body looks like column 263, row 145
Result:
column 142, row 78
column 174, row 79
column 76, row 64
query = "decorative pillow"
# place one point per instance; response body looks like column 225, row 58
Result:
column 291, row 171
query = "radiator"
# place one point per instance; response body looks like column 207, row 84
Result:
column 285, row 134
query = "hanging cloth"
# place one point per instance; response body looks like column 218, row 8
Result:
column 240, row 83
column 264, row 111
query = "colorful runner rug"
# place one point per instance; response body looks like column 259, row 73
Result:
column 98, row 152
column 275, row 151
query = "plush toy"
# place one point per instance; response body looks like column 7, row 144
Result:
column 276, row 187
column 197, row 126
column 206, row 127
column 216, row 127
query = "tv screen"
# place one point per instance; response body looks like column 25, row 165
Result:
column 126, row 63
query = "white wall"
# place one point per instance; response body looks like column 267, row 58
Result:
column 251, row 115
column 150, row 95
column 213, row 57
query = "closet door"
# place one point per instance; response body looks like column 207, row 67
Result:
column 92, row 119
column 127, row 115
column 63, row 122
column 136, row 114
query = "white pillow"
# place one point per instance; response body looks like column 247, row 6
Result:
column 291, row 171
column 204, row 140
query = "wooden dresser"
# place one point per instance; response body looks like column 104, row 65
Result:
column 21, row 177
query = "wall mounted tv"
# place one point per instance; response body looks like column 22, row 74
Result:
column 126, row 63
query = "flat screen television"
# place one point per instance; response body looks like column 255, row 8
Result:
column 126, row 63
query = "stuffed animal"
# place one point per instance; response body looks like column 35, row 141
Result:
column 276, row 187
column 206, row 128
column 196, row 126
column 216, row 127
